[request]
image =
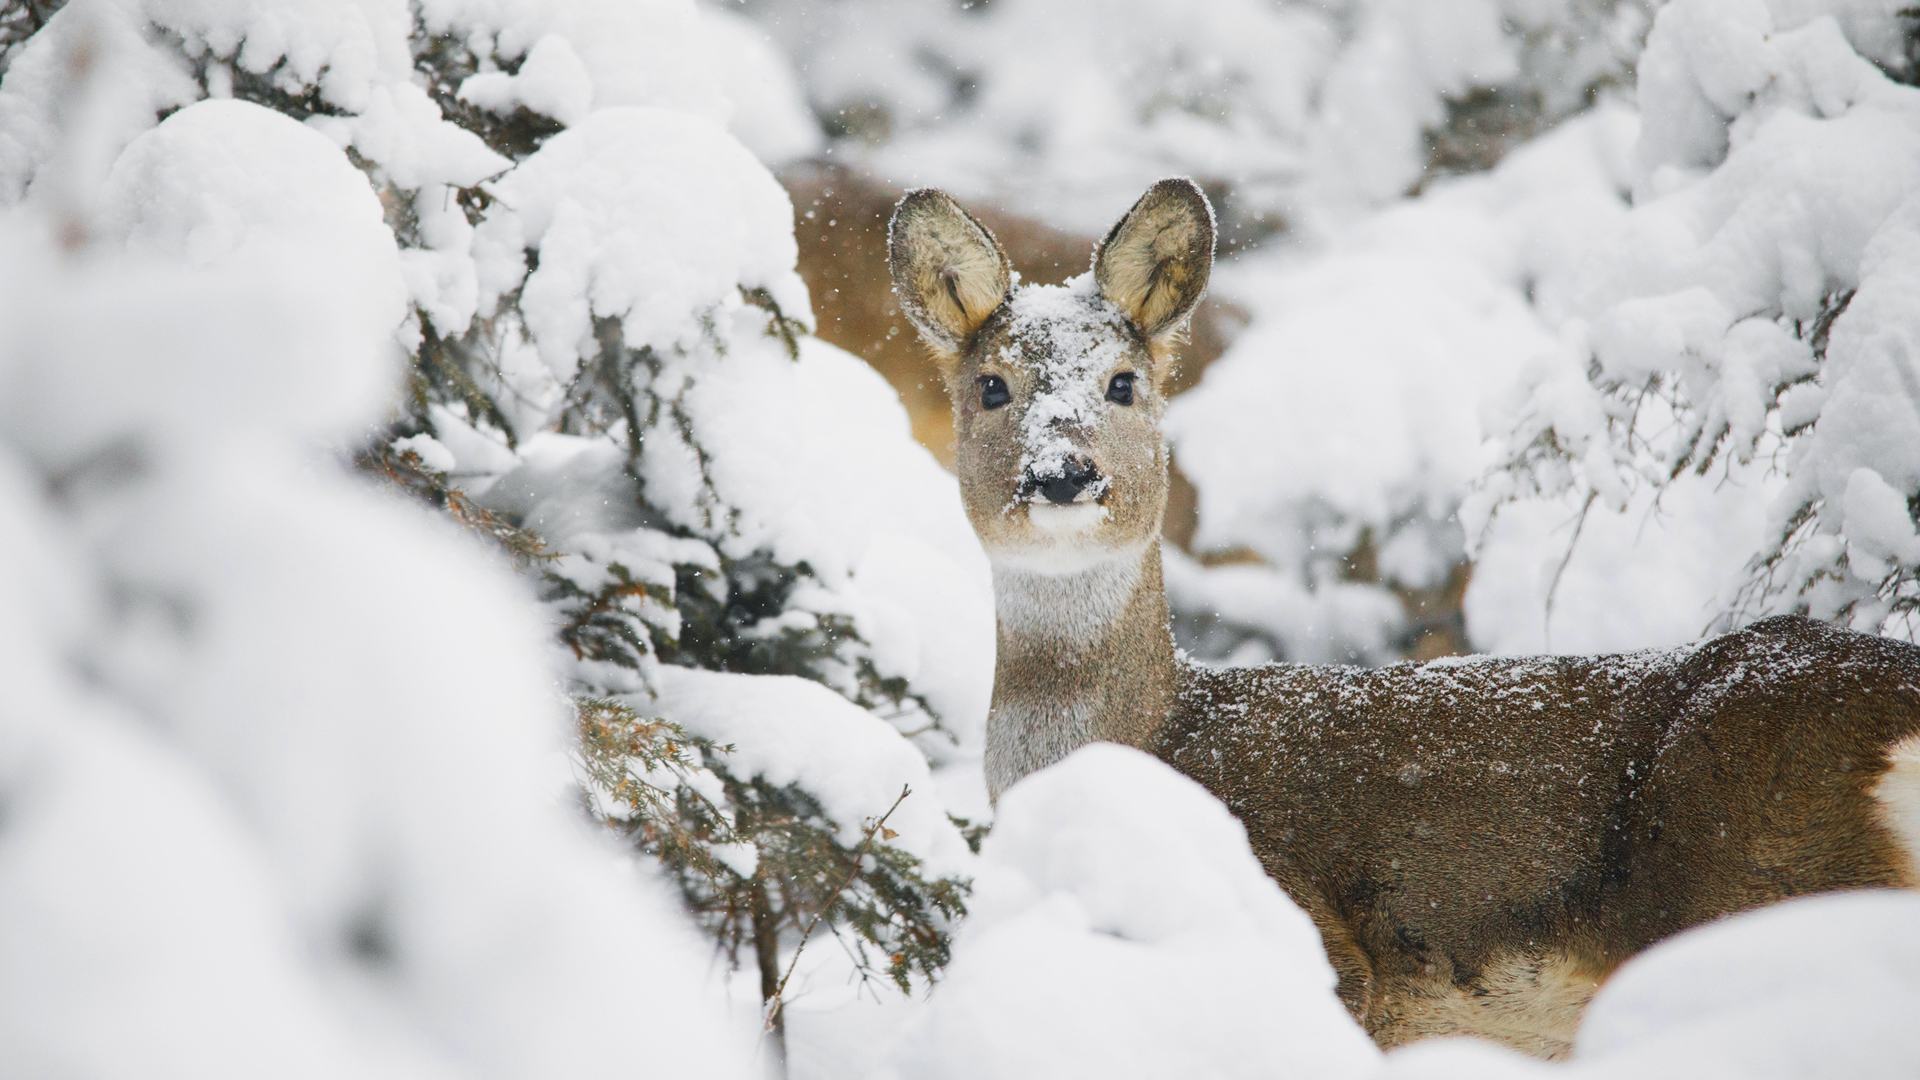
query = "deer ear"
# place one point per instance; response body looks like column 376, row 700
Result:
column 948, row 270
column 1154, row 264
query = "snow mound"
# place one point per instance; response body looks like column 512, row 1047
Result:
column 631, row 52
column 1121, row 927
column 1850, row 959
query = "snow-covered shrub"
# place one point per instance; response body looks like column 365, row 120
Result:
column 611, row 374
column 1347, row 417
column 20, row 21
column 1699, row 398
column 728, row 493
column 1744, row 337
column 281, row 760
column 1064, row 110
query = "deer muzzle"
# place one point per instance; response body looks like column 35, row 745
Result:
column 1076, row 474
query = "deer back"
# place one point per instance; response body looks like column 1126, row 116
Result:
column 1461, row 829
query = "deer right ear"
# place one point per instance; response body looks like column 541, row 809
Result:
column 1155, row 263
column 948, row 270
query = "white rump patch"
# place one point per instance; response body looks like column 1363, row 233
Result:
column 1898, row 793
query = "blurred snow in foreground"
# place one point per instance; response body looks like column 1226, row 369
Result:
column 283, row 770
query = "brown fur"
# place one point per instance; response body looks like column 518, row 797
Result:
column 1444, row 822
column 1480, row 843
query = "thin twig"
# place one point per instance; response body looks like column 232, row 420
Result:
column 1546, row 622
column 866, row 841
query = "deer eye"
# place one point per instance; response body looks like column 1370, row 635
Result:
column 993, row 391
column 1120, row 388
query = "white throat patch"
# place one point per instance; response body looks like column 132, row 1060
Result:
column 1026, row 736
column 1067, row 595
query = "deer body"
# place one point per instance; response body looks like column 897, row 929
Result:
column 1479, row 842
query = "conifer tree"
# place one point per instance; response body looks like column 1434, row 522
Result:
column 1689, row 363
column 756, row 862
column 671, row 582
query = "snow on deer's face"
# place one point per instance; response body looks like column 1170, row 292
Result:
column 1057, row 416
column 1057, row 390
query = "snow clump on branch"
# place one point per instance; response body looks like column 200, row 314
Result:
column 611, row 375
column 1752, row 312
column 282, row 790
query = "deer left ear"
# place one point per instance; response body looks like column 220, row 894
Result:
column 1155, row 262
column 948, row 270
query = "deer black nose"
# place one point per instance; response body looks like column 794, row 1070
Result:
column 1066, row 485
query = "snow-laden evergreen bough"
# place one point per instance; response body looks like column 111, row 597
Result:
column 609, row 374
column 279, row 749
column 1480, row 843
column 1749, row 320
column 1286, row 112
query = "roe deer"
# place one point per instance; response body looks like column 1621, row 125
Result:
column 1480, row 842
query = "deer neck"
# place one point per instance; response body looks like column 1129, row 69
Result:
column 1084, row 656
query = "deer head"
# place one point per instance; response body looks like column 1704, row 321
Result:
column 1058, row 390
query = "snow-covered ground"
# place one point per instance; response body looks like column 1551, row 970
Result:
column 284, row 779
